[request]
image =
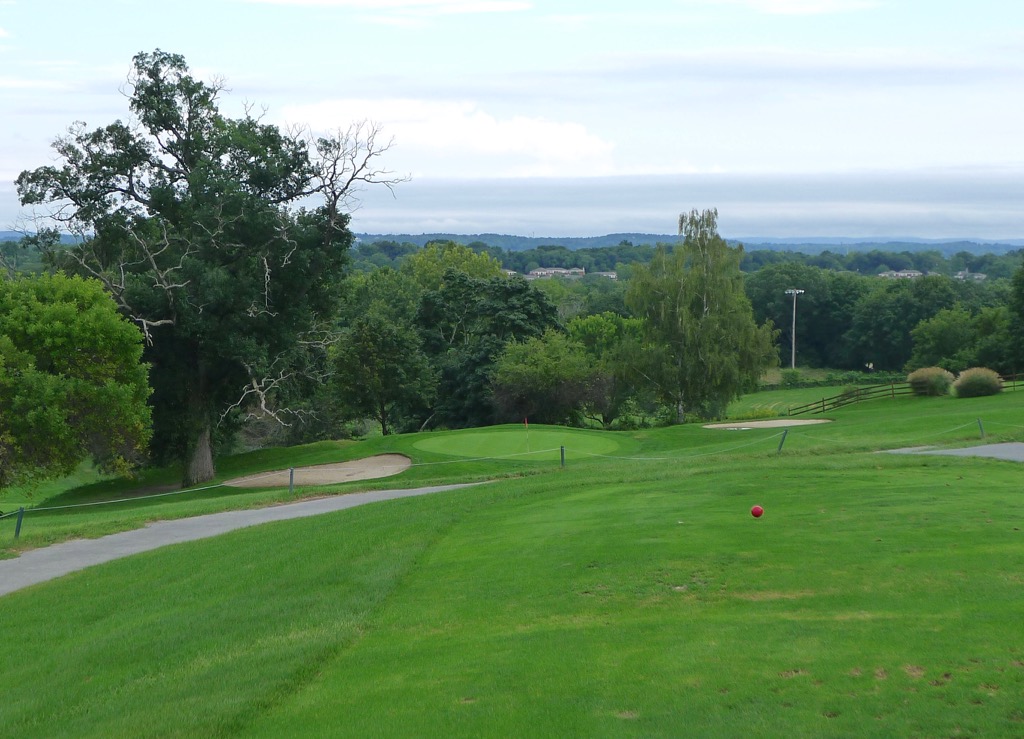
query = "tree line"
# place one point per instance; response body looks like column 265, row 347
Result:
column 620, row 257
column 845, row 319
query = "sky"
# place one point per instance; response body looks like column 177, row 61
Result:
column 795, row 118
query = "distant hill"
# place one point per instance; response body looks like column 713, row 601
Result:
column 806, row 245
column 523, row 243
column 16, row 235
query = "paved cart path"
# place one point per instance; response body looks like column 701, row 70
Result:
column 1012, row 451
column 40, row 565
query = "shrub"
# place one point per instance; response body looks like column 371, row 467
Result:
column 977, row 381
column 791, row 378
column 756, row 413
column 930, row 381
column 849, row 392
column 862, row 378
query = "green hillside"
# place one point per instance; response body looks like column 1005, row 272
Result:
column 628, row 594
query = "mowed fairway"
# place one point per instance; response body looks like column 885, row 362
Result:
column 880, row 595
column 506, row 441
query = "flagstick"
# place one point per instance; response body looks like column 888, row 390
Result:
column 526, row 423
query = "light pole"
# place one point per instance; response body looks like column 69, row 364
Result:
column 794, row 292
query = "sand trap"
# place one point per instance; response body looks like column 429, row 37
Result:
column 774, row 423
column 369, row 468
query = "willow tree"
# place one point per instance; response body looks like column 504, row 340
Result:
column 190, row 220
column 702, row 344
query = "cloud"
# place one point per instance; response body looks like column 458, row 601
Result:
column 417, row 7
column 809, row 7
column 792, row 7
column 21, row 83
column 941, row 204
column 4, row 34
column 876, row 68
column 446, row 138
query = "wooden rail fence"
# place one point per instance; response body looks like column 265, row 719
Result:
column 872, row 392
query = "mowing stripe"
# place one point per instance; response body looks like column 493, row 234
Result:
column 40, row 565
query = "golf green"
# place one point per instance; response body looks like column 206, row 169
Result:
column 539, row 443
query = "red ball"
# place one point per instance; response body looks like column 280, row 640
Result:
column 757, row 511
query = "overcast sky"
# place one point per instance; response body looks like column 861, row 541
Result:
column 582, row 117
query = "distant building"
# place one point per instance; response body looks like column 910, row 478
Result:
column 903, row 274
column 966, row 274
column 609, row 275
column 546, row 272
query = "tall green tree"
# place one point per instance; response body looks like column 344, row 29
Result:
column 381, row 371
column 380, row 368
column 824, row 310
column 703, row 343
column 465, row 325
column 188, row 219
column 613, row 346
column 1016, row 319
column 956, row 339
column 882, row 320
column 429, row 265
column 945, row 340
column 72, row 384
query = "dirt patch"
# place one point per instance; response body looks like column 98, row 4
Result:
column 369, row 468
column 774, row 595
column 774, row 423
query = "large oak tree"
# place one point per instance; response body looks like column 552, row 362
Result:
column 190, row 220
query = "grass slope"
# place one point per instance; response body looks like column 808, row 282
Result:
column 508, row 441
column 878, row 596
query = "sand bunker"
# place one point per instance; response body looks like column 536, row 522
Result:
column 369, row 468
column 770, row 424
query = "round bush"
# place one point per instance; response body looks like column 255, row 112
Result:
column 791, row 378
column 977, row 381
column 930, row 381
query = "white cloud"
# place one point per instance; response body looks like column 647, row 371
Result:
column 461, row 139
column 432, row 7
column 19, row 83
column 809, row 7
column 4, row 34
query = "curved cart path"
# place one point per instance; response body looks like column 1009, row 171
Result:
column 1012, row 451
column 40, row 565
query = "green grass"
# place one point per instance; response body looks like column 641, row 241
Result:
column 28, row 495
column 506, row 441
column 632, row 596
column 778, row 402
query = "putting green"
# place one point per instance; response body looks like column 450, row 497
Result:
column 540, row 443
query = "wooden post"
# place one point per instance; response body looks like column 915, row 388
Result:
column 782, row 441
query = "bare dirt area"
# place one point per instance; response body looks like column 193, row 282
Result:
column 774, row 423
column 383, row 465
